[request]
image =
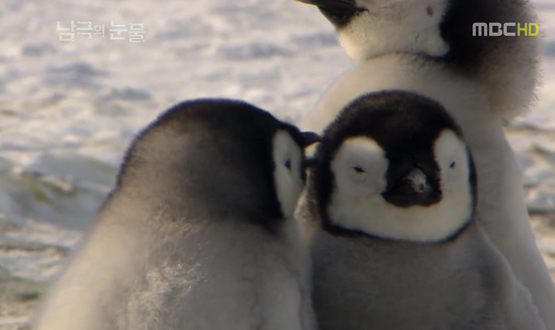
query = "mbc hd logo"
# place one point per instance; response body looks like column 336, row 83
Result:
column 510, row 29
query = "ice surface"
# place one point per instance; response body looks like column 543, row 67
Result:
column 69, row 109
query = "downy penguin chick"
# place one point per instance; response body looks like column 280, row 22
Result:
column 444, row 32
column 395, row 190
column 501, row 208
column 430, row 47
column 198, row 232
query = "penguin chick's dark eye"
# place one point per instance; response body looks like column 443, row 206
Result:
column 358, row 170
column 288, row 164
column 452, row 165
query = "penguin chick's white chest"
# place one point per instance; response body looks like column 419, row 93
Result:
column 445, row 32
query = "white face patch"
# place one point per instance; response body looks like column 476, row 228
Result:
column 357, row 166
column 357, row 204
column 389, row 26
column 287, row 172
column 452, row 157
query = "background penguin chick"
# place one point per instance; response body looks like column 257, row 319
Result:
column 443, row 31
column 198, row 232
column 395, row 192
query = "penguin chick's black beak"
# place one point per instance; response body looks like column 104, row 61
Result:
column 338, row 12
column 310, row 163
column 309, row 138
column 413, row 189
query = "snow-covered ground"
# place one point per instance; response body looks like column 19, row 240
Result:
column 69, row 109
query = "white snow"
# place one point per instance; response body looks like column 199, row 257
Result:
column 69, row 109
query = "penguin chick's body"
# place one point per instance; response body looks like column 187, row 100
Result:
column 501, row 210
column 432, row 47
column 385, row 285
column 395, row 190
column 445, row 31
column 198, row 233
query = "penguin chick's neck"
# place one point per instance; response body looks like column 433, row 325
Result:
column 399, row 27
column 447, row 32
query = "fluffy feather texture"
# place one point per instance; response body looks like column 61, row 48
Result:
column 501, row 211
column 386, row 273
column 193, row 235
column 364, row 283
column 394, row 26
column 442, row 30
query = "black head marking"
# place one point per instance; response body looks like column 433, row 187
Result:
column 470, row 52
column 211, row 150
column 405, row 125
column 338, row 12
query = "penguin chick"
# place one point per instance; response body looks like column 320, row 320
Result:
column 444, row 32
column 395, row 191
column 198, row 232
column 501, row 210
